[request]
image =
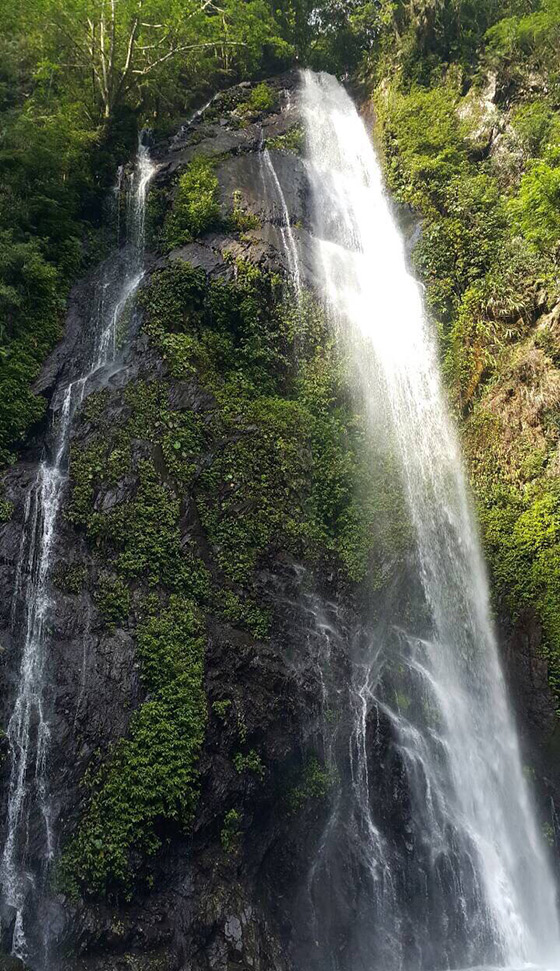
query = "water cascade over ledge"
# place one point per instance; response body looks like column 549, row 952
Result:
column 29, row 799
column 467, row 882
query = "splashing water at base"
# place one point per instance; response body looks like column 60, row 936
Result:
column 488, row 896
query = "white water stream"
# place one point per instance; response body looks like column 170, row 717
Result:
column 286, row 231
column 482, row 859
column 28, row 729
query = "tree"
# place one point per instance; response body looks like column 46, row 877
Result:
column 119, row 44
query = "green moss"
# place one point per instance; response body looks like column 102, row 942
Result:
column 313, row 786
column 249, row 762
column 6, row 510
column 112, row 598
column 151, row 776
column 71, row 579
column 231, row 830
column 262, row 99
column 291, row 141
column 196, row 206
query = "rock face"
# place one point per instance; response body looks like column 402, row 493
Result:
column 155, row 519
column 216, row 898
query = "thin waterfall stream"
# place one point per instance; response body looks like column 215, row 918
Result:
column 467, row 880
column 29, row 798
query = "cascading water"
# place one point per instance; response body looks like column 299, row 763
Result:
column 29, row 803
column 463, row 878
column 286, row 230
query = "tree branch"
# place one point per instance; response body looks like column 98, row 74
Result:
column 187, row 47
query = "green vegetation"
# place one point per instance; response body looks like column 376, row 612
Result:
column 231, row 830
column 196, row 207
column 246, row 448
column 76, row 82
column 221, row 708
column 112, row 598
column 291, row 141
column 277, row 419
column 268, row 458
column 261, row 99
column 312, row 787
column 6, row 510
column 151, row 775
column 240, row 219
column 489, row 255
column 249, row 762
column 71, row 579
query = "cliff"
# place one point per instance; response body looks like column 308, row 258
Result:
column 223, row 542
column 209, row 517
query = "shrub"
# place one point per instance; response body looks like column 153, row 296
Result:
column 313, row 786
column 231, row 830
column 536, row 207
column 196, row 206
column 261, row 99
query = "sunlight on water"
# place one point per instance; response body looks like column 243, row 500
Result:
column 457, row 737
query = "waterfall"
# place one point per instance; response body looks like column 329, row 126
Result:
column 286, row 231
column 29, row 799
column 464, row 879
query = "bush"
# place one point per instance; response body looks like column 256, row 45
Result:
column 536, row 207
column 261, row 99
column 196, row 206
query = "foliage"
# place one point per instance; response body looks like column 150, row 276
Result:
column 270, row 457
column 76, row 81
column 221, row 708
column 275, row 422
column 151, row 775
column 231, row 830
column 536, row 207
column 196, row 207
column 6, row 509
column 249, row 762
column 245, row 612
column 313, row 786
column 262, row 99
column 240, row 220
column 488, row 254
column 421, row 40
column 530, row 35
column 290, row 141
column 71, row 578
column 112, row 598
